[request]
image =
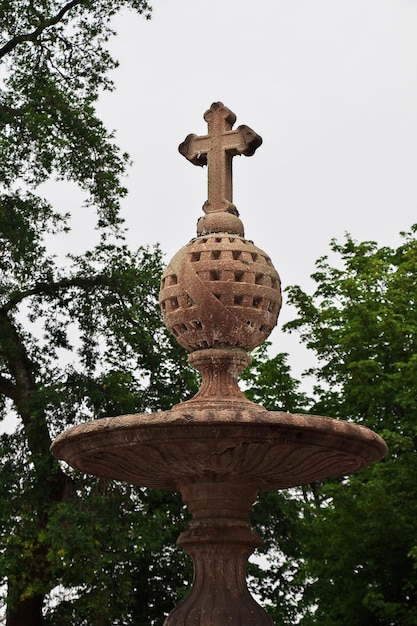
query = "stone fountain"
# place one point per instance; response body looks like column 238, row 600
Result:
column 220, row 296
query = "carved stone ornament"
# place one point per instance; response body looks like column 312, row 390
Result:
column 220, row 297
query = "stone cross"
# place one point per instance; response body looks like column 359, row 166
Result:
column 216, row 150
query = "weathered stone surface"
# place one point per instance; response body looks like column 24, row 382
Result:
column 220, row 296
column 216, row 150
column 219, row 459
column 220, row 290
column 273, row 450
column 219, row 540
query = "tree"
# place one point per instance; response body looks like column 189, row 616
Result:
column 55, row 64
column 359, row 555
column 124, row 362
column 268, row 381
column 79, row 336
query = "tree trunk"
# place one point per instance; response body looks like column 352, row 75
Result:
column 27, row 613
column 23, row 608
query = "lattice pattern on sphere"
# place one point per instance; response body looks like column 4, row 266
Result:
column 220, row 290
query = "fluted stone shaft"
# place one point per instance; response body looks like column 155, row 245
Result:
column 219, row 540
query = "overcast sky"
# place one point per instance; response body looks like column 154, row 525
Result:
column 330, row 85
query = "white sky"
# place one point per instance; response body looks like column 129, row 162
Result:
column 330, row 85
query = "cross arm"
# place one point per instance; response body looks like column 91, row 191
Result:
column 216, row 149
column 243, row 140
column 194, row 149
column 250, row 140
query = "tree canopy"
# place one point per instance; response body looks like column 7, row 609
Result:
column 359, row 539
column 55, row 64
column 81, row 337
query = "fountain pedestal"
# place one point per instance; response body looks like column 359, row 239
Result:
column 219, row 459
column 219, row 540
column 220, row 296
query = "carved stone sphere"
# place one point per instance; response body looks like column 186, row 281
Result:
column 220, row 290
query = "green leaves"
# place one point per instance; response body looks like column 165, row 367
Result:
column 95, row 348
column 56, row 63
column 359, row 541
column 113, row 545
column 268, row 381
column 81, row 337
column 362, row 326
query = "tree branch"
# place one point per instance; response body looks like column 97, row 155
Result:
column 10, row 110
column 52, row 289
column 18, row 39
column 17, row 359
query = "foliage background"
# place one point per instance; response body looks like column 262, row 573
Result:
column 81, row 335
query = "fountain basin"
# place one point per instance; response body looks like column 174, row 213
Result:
column 275, row 450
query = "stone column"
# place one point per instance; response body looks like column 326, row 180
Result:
column 219, row 540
